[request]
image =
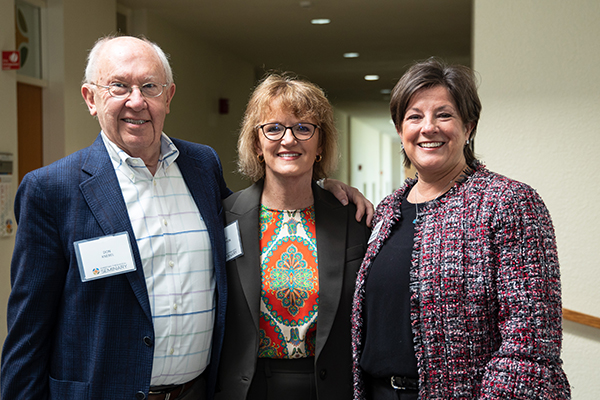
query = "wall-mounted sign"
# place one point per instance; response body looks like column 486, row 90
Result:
column 7, row 221
column 11, row 60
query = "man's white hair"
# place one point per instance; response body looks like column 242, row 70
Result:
column 91, row 69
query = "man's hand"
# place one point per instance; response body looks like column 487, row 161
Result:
column 344, row 193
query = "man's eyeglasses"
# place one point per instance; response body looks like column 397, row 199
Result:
column 122, row 90
column 275, row 131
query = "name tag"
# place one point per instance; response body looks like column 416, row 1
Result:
column 233, row 242
column 375, row 232
column 104, row 256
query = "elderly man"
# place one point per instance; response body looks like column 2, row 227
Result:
column 118, row 286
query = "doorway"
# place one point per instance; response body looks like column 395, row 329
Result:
column 29, row 127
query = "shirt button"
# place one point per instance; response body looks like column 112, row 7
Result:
column 172, row 351
column 174, row 306
column 171, row 264
column 154, row 182
column 165, row 222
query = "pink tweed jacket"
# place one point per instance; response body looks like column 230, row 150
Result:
column 485, row 292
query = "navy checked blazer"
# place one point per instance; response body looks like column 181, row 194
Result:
column 93, row 340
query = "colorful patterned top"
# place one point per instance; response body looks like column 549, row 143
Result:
column 290, row 283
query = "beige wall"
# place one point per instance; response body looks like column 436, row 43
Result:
column 378, row 155
column 539, row 62
column 68, row 126
column 203, row 75
column 365, row 145
column 84, row 22
column 386, row 165
column 342, row 124
column 398, row 175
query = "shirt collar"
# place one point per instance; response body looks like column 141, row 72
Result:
column 168, row 152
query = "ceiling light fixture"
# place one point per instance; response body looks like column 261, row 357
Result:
column 320, row 21
column 305, row 4
column 351, row 55
column 371, row 77
column 385, row 91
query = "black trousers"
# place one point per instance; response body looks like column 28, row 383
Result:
column 277, row 379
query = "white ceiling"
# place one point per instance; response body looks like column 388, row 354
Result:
column 277, row 34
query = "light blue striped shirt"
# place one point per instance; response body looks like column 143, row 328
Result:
column 177, row 261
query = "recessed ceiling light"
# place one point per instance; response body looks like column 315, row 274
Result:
column 351, row 55
column 386, row 91
column 371, row 77
column 305, row 4
column 320, row 21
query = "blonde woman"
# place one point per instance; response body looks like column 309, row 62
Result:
column 288, row 316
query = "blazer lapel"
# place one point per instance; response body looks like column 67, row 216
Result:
column 331, row 221
column 110, row 211
column 246, row 211
column 203, row 193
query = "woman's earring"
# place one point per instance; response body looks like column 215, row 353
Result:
column 261, row 158
column 402, row 146
column 318, row 158
column 467, row 142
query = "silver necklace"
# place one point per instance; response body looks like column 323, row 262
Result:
column 417, row 194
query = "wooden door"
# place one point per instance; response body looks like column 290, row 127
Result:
column 29, row 126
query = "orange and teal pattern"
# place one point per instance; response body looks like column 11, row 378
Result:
column 290, row 283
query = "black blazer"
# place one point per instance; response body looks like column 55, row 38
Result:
column 341, row 244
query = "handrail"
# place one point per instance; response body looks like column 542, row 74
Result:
column 581, row 318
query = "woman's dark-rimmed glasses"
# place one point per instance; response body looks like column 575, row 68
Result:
column 301, row 131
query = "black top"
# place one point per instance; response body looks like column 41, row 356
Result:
column 388, row 338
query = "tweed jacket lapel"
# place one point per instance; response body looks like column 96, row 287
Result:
column 246, row 211
column 110, row 210
column 331, row 220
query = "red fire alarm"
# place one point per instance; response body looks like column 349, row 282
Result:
column 11, row 60
column 223, row 106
